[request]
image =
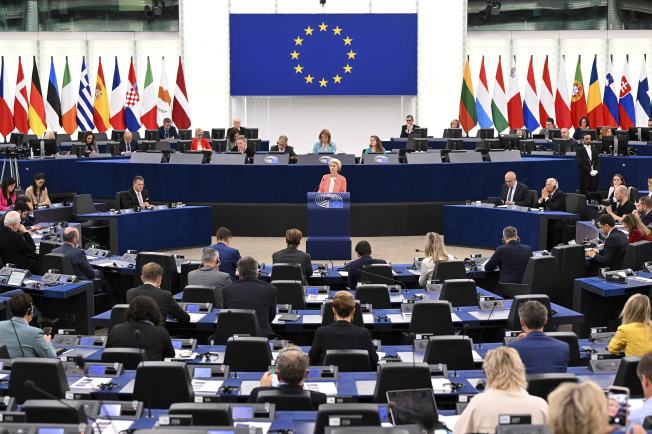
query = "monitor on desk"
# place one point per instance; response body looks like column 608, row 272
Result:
column 83, row 204
column 452, row 133
column 509, row 141
column 251, row 133
column 419, row 133
column 217, row 133
column 117, row 135
column 416, row 144
column 416, row 406
column 562, row 146
column 485, row 133
column 113, row 148
column 185, row 135
column 78, row 149
column 50, row 147
column 151, row 135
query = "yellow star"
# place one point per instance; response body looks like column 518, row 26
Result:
column 308, row 30
column 347, row 68
column 347, row 41
column 323, row 26
column 309, row 79
column 351, row 54
column 298, row 41
column 298, row 69
column 337, row 30
column 322, row 82
column 337, row 79
column 294, row 54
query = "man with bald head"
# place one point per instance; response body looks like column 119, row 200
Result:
column 514, row 192
column 70, row 248
column 128, row 144
column 565, row 134
column 16, row 244
column 552, row 198
column 622, row 205
column 236, row 130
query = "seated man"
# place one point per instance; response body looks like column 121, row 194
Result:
column 229, row 256
column 167, row 131
column 23, row 208
column 565, row 134
column 70, row 248
column 552, row 198
column 16, row 244
column 137, row 196
column 622, row 204
column 21, row 339
column 292, row 254
column 409, row 126
column 512, row 257
column 128, row 144
column 236, row 130
column 615, row 245
column 644, row 210
column 152, row 275
column 282, row 146
column 514, row 192
column 355, row 268
column 291, row 371
column 342, row 334
column 540, row 353
column 210, row 275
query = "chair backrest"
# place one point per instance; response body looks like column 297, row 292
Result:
column 455, row 351
column 204, row 413
column 160, row 384
column 432, row 317
column 636, row 254
column 542, row 274
column 376, row 273
column 446, row 270
column 48, row 374
column 286, row 271
column 235, row 322
column 633, row 194
column 129, row 357
column 533, row 197
column 576, row 204
column 328, row 318
column 290, row 292
column 170, row 279
column 377, row 295
column 573, row 346
column 287, row 400
column 572, row 265
column 542, row 384
column 57, row 261
column 626, row 376
column 198, row 294
column 117, row 314
column 368, row 412
column 348, row 360
column 45, row 247
column 53, row 411
column 514, row 320
column 250, row 354
column 401, row 376
column 83, row 204
column 459, row 292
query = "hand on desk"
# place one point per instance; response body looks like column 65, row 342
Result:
column 145, row 205
column 591, row 252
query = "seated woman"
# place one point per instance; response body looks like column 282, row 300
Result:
column 49, row 135
column 634, row 335
column 636, row 229
column 324, row 145
column 375, row 146
column 200, row 143
column 579, row 409
column 7, row 193
column 605, row 132
column 434, row 251
column 616, row 180
column 455, row 123
column 584, row 125
column 37, row 193
column 333, row 182
column 89, row 141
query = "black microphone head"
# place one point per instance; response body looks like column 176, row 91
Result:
column 79, row 361
column 29, row 384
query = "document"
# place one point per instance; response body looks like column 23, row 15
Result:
column 365, row 387
column 441, row 385
column 368, row 318
column 264, row 426
column 246, row 386
column 343, row 273
column 496, row 314
column 206, row 386
column 196, row 317
column 326, row 387
column 112, row 426
column 88, row 383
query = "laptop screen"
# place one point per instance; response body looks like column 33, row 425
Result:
column 416, row 406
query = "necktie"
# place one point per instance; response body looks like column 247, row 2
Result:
column 166, row 133
column 128, row 146
column 140, row 199
column 509, row 194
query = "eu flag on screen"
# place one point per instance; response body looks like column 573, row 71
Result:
column 335, row 54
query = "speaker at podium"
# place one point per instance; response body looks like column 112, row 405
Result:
column 329, row 226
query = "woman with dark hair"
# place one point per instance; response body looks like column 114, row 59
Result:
column 324, row 145
column 8, row 196
column 584, row 126
column 37, row 193
column 89, row 141
column 375, row 146
column 143, row 315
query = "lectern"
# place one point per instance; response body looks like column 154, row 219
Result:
column 329, row 226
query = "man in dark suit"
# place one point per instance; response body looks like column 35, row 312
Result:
column 236, row 130
column 615, row 245
column 167, row 131
column 553, row 199
column 252, row 293
column 291, row 371
column 541, row 354
column 229, row 256
column 16, row 244
column 137, row 196
column 514, row 192
column 588, row 165
column 128, row 144
column 512, row 257
column 282, row 146
column 363, row 250
column 292, row 254
column 409, row 126
column 80, row 265
column 645, row 210
column 342, row 334
column 151, row 276
column 210, row 275
column 622, row 205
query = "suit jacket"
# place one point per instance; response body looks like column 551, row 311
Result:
column 31, row 339
column 231, row 133
column 613, row 252
column 582, row 157
column 542, row 354
column 512, row 258
column 355, row 268
column 128, row 199
column 16, row 248
column 80, row 265
column 288, row 150
column 341, row 335
column 318, row 398
column 154, row 341
column 207, row 276
column 340, row 184
column 172, row 132
column 647, row 218
column 292, row 255
column 521, row 196
column 253, row 294
column 229, row 258
column 133, row 145
column 556, row 201
column 404, row 132
column 164, row 299
column 620, row 210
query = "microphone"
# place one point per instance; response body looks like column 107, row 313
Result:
column 329, row 260
column 387, row 279
column 495, row 303
column 419, row 250
column 142, row 358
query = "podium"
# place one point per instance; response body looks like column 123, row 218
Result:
column 329, row 226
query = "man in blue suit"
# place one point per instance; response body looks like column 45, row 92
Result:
column 363, row 250
column 167, row 131
column 229, row 256
column 512, row 257
column 540, row 353
column 20, row 338
column 80, row 265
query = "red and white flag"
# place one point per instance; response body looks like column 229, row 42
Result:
column 562, row 98
column 546, row 105
column 20, row 101
column 180, row 106
column 6, row 117
column 514, row 102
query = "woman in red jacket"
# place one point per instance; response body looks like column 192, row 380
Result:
column 200, row 143
column 637, row 230
column 333, row 182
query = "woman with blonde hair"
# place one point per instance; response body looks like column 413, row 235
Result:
column 636, row 229
column 434, row 251
column 634, row 335
column 333, row 182
column 506, row 393
column 578, row 408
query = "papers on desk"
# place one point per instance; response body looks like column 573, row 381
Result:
column 3, row 376
column 326, row 387
column 639, row 279
column 441, row 385
column 407, row 356
column 91, row 257
column 343, row 273
column 184, row 354
column 449, row 421
column 264, row 426
column 104, row 263
column 398, row 318
column 477, row 358
column 484, row 316
column 246, row 386
column 196, row 317
column 316, row 297
column 368, row 318
column 415, row 272
column 206, row 386
column 475, row 381
column 30, row 282
column 87, row 383
column 365, row 387
column 112, row 426
column 312, row 319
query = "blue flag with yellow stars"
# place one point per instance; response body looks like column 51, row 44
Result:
column 317, row 54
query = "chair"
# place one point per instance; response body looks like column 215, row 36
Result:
column 170, row 279
column 455, row 351
column 287, row 400
column 129, row 357
column 204, row 413
column 249, row 354
column 514, row 320
column 572, row 265
column 161, row 384
column 101, row 137
column 348, row 360
column 401, row 376
column 637, row 254
column 328, row 412
column 431, row 317
column 59, row 262
column 53, row 411
column 45, row 247
column 542, row 384
column 186, row 268
column 117, row 314
column 541, row 276
column 290, row 292
column 534, row 198
column 198, row 294
column 446, row 270
column 459, row 292
column 376, row 274
column 633, row 194
column 285, row 271
column 328, row 318
column 573, row 346
column 576, row 204
column 4, row 352
column 376, row 295
column 626, row 376
column 234, row 322
column 48, row 374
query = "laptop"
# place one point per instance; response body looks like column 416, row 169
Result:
column 415, row 406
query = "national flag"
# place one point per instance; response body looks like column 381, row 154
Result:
column 36, row 113
column 132, row 101
column 148, row 118
column 499, row 101
column 68, row 108
column 181, row 107
column 594, row 103
column 467, row 115
column 578, row 100
column 546, row 104
column 84, row 106
column 610, row 105
column 642, row 108
column 164, row 102
column 514, row 104
column 482, row 101
column 117, row 100
column 531, row 102
column 52, row 103
column 20, row 101
column 562, row 107
column 101, row 102
column 6, row 116
column 626, row 111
